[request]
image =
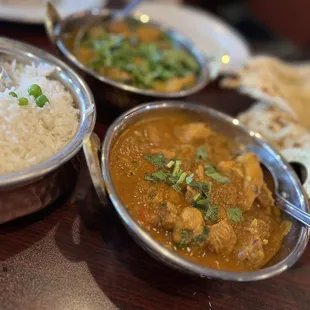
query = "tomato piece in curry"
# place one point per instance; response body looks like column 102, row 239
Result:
column 190, row 188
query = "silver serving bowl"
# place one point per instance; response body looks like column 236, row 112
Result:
column 107, row 90
column 26, row 191
column 294, row 243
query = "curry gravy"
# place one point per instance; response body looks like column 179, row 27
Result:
column 185, row 184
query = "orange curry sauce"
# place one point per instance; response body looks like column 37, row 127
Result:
column 185, row 184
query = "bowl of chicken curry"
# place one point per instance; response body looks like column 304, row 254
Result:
column 128, row 60
column 190, row 192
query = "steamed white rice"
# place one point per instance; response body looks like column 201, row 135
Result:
column 29, row 134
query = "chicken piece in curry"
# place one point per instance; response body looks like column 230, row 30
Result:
column 137, row 54
column 190, row 188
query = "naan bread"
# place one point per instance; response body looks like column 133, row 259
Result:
column 276, row 126
column 281, row 85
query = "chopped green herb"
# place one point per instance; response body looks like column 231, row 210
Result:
column 181, row 178
column 156, row 160
column 177, row 169
column 234, row 214
column 202, row 237
column 172, row 179
column 212, row 213
column 190, row 178
column 202, row 205
column 156, row 177
column 202, row 153
column 23, row 101
column 170, row 164
column 203, row 202
column 203, row 187
column 211, row 172
column 185, row 239
column 196, row 196
column 195, row 185
column 177, row 188
column 209, row 169
column 13, row 94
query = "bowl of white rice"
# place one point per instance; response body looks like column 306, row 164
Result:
column 46, row 111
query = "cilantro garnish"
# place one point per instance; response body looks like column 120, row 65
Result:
column 202, row 205
column 172, row 179
column 156, row 160
column 202, row 187
column 211, row 172
column 203, row 202
column 177, row 187
column 212, row 213
column 157, row 177
column 202, row 153
column 161, row 176
column 234, row 214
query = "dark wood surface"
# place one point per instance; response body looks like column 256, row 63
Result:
column 78, row 255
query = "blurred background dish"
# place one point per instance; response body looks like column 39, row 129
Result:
column 212, row 35
column 33, row 11
column 137, row 55
column 208, row 32
column 63, row 31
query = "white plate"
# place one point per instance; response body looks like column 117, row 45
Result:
column 208, row 32
column 33, row 11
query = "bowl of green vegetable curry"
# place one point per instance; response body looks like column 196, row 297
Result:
column 129, row 61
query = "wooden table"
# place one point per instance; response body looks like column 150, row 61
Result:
column 66, row 257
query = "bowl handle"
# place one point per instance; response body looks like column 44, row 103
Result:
column 300, row 157
column 91, row 147
column 52, row 19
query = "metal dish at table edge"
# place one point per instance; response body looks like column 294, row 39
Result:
column 26, row 191
column 108, row 90
column 294, row 243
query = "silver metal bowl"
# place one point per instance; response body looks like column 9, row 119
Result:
column 294, row 243
column 26, row 191
column 107, row 90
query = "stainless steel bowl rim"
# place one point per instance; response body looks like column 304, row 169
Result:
column 203, row 78
column 168, row 255
column 84, row 97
